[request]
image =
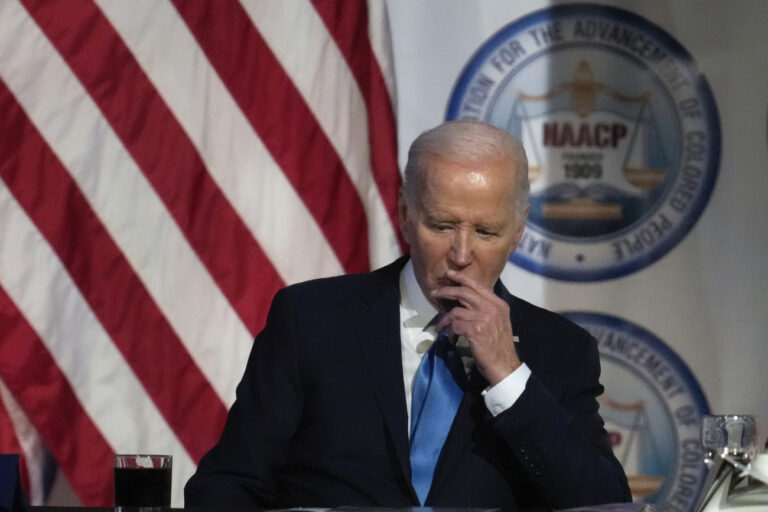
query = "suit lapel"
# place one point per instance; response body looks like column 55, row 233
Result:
column 378, row 324
column 471, row 412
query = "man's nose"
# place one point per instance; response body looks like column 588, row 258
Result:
column 460, row 255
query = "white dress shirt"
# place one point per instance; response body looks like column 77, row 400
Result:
column 416, row 336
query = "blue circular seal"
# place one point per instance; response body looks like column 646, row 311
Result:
column 621, row 131
column 652, row 407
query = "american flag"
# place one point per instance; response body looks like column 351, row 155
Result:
column 165, row 167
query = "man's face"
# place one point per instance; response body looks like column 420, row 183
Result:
column 462, row 218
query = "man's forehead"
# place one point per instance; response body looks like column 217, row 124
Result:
column 504, row 167
column 446, row 173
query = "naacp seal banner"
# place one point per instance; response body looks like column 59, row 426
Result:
column 621, row 131
column 652, row 407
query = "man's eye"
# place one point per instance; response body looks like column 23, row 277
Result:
column 439, row 227
column 486, row 233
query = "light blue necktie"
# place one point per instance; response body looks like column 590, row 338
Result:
column 437, row 392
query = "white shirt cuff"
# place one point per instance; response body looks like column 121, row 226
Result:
column 503, row 395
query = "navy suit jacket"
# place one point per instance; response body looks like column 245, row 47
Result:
column 320, row 417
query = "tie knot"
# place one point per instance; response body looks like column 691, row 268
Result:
column 443, row 343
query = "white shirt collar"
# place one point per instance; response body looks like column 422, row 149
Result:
column 417, row 311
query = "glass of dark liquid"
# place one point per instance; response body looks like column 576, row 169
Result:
column 143, row 482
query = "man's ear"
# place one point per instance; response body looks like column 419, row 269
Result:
column 520, row 228
column 402, row 215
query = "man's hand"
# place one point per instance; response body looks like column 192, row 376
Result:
column 483, row 319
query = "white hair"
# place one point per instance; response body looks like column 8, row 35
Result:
column 467, row 141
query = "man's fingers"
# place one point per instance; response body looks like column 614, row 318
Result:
column 469, row 282
column 469, row 297
column 466, row 297
column 453, row 317
column 470, row 322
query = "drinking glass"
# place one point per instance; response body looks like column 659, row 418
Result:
column 143, row 481
column 728, row 434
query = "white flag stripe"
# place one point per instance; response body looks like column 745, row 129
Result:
column 346, row 123
column 235, row 156
column 378, row 32
column 32, row 446
column 171, row 271
column 43, row 291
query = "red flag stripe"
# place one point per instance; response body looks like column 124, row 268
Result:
column 282, row 119
column 37, row 383
column 234, row 155
column 164, row 153
column 345, row 125
column 347, row 21
column 104, row 277
column 126, row 203
column 172, row 276
column 104, row 384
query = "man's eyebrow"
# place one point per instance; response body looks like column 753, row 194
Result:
column 491, row 226
column 437, row 217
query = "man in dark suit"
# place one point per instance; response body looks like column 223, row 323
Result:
column 323, row 411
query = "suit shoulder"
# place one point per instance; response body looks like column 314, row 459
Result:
column 325, row 283
column 331, row 291
column 535, row 317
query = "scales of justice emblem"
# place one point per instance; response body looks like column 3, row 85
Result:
column 596, row 163
column 652, row 408
column 621, row 131
column 634, row 444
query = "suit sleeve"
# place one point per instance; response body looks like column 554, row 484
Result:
column 241, row 471
column 560, row 440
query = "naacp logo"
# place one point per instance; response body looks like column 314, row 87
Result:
column 652, row 407
column 621, row 130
